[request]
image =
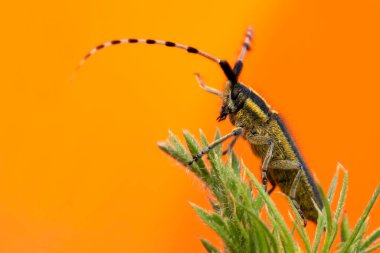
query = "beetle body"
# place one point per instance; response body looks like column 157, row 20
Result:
column 248, row 110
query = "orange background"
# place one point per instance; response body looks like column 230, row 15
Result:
column 79, row 166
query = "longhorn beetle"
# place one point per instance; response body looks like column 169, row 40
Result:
column 256, row 122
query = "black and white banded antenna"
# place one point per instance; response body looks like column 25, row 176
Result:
column 232, row 77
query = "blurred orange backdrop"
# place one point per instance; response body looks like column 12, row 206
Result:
column 79, row 166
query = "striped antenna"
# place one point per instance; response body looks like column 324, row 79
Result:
column 245, row 48
column 224, row 65
column 246, row 44
column 148, row 41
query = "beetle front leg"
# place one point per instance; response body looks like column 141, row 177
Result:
column 231, row 145
column 235, row 132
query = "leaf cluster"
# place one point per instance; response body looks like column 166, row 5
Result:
column 240, row 202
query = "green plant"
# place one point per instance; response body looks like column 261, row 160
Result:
column 239, row 203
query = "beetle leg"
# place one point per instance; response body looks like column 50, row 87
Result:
column 263, row 140
column 282, row 165
column 231, row 145
column 291, row 165
column 273, row 183
column 292, row 195
column 235, row 132
column 285, row 165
